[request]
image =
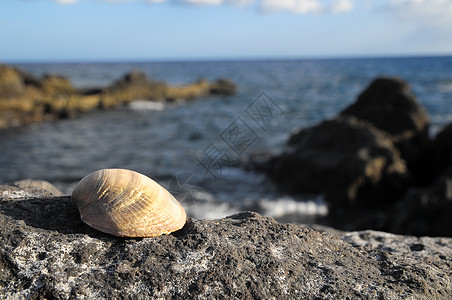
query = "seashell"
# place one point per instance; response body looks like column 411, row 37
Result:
column 126, row 203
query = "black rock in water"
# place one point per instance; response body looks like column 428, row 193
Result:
column 348, row 160
column 389, row 105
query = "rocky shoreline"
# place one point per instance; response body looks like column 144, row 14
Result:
column 373, row 177
column 25, row 99
column 375, row 163
column 47, row 252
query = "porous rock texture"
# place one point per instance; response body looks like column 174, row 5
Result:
column 47, row 252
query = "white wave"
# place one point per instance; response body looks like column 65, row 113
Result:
column 146, row 105
column 438, row 122
column 207, row 207
column 283, row 206
column 446, row 87
column 210, row 211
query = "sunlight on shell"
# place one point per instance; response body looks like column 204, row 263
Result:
column 126, row 203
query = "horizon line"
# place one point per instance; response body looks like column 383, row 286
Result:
column 225, row 59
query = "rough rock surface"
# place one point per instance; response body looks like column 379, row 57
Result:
column 47, row 252
column 33, row 185
column 348, row 160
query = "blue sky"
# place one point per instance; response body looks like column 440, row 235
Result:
column 102, row 30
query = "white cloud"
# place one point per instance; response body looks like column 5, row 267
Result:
column 341, row 6
column 66, row 1
column 294, row 6
column 240, row 2
column 297, row 6
column 203, row 2
column 425, row 12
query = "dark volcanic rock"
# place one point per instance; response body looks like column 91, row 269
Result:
column 441, row 153
column 47, row 252
column 390, row 106
column 348, row 160
column 425, row 211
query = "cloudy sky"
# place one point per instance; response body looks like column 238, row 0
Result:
column 106, row 30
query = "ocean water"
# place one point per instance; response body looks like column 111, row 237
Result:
column 195, row 149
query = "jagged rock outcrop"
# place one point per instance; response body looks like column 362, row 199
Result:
column 47, row 252
column 346, row 159
column 339, row 158
column 375, row 164
column 389, row 105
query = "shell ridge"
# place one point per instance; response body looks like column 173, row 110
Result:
column 85, row 182
column 142, row 203
column 127, row 203
column 117, row 177
column 129, row 208
column 168, row 223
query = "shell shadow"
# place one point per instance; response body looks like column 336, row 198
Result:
column 60, row 215
column 49, row 213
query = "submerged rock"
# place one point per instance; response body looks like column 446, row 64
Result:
column 47, row 252
column 348, row 160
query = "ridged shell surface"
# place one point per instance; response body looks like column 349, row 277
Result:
column 126, row 203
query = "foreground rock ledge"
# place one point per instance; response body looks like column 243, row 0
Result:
column 47, row 252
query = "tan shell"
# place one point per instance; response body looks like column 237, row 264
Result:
column 126, row 203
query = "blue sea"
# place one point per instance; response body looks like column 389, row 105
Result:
column 195, row 149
